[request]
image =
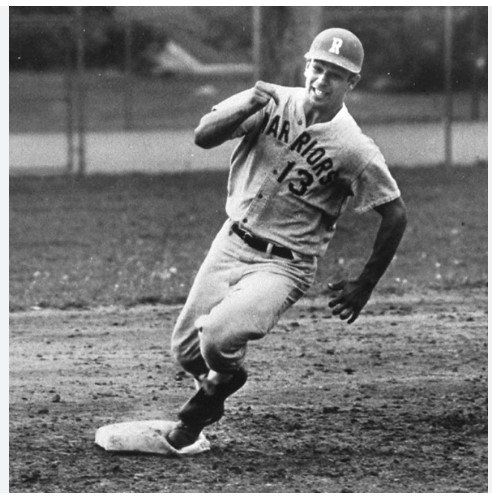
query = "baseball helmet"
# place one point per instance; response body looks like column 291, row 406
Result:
column 338, row 46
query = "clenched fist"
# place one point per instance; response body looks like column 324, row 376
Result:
column 261, row 94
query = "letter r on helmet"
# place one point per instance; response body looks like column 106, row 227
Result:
column 336, row 45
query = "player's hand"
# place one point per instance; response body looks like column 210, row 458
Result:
column 262, row 93
column 351, row 300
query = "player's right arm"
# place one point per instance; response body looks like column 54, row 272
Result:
column 219, row 125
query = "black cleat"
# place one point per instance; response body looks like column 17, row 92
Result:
column 203, row 409
column 183, row 435
column 207, row 407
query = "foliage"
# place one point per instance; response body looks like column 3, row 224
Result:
column 404, row 46
column 29, row 11
column 229, row 28
column 106, row 44
column 51, row 44
column 38, row 46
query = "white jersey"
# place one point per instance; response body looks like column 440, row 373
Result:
column 289, row 182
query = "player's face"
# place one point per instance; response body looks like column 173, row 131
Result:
column 327, row 84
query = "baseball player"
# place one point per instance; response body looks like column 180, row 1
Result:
column 300, row 159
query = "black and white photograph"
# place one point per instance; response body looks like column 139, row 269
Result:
column 248, row 249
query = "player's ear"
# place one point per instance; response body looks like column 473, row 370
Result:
column 354, row 80
column 308, row 63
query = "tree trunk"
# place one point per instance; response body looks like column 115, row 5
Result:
column 282, row 36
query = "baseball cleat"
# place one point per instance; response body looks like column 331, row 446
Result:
column 203, row 409
column 183, row 435
column 207, row 405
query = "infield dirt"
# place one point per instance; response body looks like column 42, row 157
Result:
column 396, row 402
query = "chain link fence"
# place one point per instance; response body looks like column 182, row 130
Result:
column 78, row 76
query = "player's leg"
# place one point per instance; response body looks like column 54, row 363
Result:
column 248, row 312
column 251, row 308
column 209, row 288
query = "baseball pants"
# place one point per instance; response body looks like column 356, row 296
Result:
column 238, row 295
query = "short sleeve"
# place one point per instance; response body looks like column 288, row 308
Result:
column 374, row 185
column 250, row 123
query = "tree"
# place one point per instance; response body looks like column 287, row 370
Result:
column 54, row 11
column 282, row 36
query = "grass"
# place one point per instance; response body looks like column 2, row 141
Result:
column 37, row 102
column 105, row 240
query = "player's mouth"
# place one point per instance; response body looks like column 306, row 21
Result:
column 319, row 94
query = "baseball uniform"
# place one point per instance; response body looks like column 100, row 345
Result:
column 300, row 159
column 288, row 184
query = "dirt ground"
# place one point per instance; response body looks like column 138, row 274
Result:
column 396, row 402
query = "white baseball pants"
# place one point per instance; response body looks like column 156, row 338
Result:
column 238, row 295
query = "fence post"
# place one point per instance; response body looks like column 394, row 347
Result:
column 69, row 97
column 128, row 96
column 475, row 93
column 256, row 15
column 79, row 36
column 448, row 83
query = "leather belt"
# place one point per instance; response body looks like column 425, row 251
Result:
column 260, row 244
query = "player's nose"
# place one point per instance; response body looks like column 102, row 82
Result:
column 325, row 79
column 324, row 84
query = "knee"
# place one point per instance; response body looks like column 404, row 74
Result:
column 213, row 356
column 187, row 353
column 221, row 351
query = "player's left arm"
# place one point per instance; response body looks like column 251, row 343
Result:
column 354, row 294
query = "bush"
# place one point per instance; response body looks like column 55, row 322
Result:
column 38, row 47
column 105, row 44
column 405, row 46
column 50, row 45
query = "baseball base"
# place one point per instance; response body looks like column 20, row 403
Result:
column 146, row 436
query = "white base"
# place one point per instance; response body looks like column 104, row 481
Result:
column 146, row 436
